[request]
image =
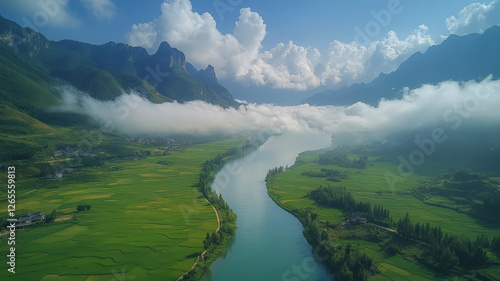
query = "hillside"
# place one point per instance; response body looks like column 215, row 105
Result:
column 24, row 86
column 33, row 67
column 102, row 71
column 459, row 58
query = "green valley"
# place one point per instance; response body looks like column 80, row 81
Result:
column 124, row 156
column 325, row 194
column 114, row 205
column 148, row 220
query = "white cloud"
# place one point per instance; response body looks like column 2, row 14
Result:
column 144, row 35
column 198, row 37
column 102, row 9
column 392, row 48
column 43, row 13
column 442, row 105
column 351, row 62
column 475, row 18
column 286, row 66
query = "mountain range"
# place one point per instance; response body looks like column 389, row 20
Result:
column 458, row 58
column 33, row 64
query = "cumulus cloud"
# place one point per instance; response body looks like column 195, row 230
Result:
column 42, row 13
column 102, row 9
column 286, row 66
column 474, row 18
column 351, row 62
column 448, row 105
column 239, row 54
column 198, row 37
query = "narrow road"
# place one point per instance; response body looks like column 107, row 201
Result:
column 217, row 213
column 203, row 254
column 395, row 231
column 386, row 228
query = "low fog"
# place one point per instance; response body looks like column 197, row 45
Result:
column 450, row 106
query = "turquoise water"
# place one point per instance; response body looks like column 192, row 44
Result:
column 268, row 244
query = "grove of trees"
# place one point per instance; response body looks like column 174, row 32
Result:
column 80, row 208
column 342, row 160
column 341, row 198
column 446, row 251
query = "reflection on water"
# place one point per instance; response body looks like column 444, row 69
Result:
column 268, row 244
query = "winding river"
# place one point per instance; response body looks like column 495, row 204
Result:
column 268, row 244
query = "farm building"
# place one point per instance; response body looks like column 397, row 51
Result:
column 29, row 219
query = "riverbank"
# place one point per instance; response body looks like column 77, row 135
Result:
column 202, row 255
column 215, row 243
column 333, row 243
column 397, row 256
column 146, row 214
column 268, row 244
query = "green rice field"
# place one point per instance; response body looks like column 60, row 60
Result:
column 370, row 185
column 147, row 221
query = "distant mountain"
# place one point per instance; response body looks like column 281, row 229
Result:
column 459, row 58
column 104, row 71
column 208, row 76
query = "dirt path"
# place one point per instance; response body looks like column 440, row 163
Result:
column 203, row 254
column 28, row 192
column 217, row 213
column 388, row 229
column 395, row 231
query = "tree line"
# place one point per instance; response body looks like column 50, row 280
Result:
column 342, row 160
column 340, row 198
column 495, row 244
column 491, row 203
column 274, row 172
column 331, row 175
column 347, row 263
column 84, row 207
column 446, row 250
column 215, row 242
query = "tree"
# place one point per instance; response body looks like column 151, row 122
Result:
column 405, row 226
column 495, row 244
column 87, row 207
column 207, row 241
column 314, row 215
column 447, row 260
column 51, row 217
column 482, row 241
column 363, row 275
column 345, row 274
column 80, row 208
column 417, row 230
column 348, row 251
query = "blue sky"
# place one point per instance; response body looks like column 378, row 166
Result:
column 286, row 19
column 282, row 45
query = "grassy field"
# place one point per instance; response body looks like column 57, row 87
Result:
column 147, row 222
column 370, row 185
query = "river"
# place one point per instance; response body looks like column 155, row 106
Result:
column 268, row 244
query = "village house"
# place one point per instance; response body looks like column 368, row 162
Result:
column 356, row 217
column 29, row 219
